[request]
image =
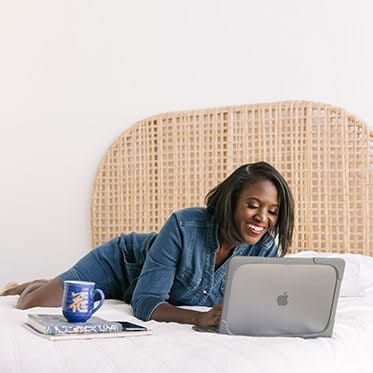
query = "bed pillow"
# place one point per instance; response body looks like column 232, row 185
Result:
column 353, row 281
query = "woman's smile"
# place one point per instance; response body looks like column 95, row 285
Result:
column 255, row 229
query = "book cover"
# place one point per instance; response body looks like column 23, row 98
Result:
column 57, row 324
column 71, row 336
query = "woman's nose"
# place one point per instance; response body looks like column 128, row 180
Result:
column 260, row 216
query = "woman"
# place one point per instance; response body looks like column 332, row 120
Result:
column 249, row 213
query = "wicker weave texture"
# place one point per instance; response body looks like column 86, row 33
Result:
column 172, row 160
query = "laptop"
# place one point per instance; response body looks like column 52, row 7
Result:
column 286, row 297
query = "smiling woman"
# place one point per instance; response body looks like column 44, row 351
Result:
column 260, row 200
column 186, row 262
column 168, row 162
column 256, row 211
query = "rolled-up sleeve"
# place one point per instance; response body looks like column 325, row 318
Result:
column 159, row 270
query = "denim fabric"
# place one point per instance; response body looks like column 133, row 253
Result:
column 114, row 266
column 177, row 265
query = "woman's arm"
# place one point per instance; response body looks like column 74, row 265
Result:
column 168, row 312
column 171, row 255
column 158, row 273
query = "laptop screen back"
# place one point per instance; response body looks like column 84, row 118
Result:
column 281, row 297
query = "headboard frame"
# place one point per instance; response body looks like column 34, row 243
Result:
column 170, row 161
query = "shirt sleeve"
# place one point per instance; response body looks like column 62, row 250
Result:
column 159, row 270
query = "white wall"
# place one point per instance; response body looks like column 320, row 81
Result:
column 74, row 74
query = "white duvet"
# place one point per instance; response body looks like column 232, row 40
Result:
column 178, row 348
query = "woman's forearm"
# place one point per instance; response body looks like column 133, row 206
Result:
column 168, row 312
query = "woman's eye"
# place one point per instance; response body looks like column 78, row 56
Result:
column 273, row 212
column 252, row 206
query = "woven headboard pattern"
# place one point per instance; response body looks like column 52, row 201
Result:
column 172, row 160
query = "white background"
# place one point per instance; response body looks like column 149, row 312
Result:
column 74, row 74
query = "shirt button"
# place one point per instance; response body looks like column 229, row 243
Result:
column 205, row 292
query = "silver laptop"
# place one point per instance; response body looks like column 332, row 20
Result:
column 292, row 297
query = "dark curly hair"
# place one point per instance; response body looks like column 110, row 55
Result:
column 221, row 202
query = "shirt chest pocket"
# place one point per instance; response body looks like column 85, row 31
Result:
column 187, row 289
column 190, row 280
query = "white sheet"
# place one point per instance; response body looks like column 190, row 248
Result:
column 177, row 348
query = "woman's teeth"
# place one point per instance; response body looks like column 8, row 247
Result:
column 255, row 228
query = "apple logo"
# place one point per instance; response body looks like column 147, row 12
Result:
column 282, row 300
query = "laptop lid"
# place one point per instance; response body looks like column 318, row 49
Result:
column 281, row 296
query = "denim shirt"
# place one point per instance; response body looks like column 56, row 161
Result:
column 179, row 263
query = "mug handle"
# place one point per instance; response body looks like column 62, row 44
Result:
column 102, row 296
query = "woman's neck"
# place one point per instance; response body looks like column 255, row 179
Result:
column 225, row 249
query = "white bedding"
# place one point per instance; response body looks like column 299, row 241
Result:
column 178, row 348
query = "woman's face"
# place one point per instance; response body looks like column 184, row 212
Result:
column 256, row 211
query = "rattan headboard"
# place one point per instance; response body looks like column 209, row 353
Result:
column 172, row 160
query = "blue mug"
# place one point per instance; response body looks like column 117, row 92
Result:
column 78, row 300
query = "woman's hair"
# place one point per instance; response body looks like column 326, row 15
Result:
column 221, row 202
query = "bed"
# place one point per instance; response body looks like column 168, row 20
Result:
column 170, row 161
column 178, row 348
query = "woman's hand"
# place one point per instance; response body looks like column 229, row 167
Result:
column 211, row 317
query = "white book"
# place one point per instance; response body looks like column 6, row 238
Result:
column 57, row 324
column 71, row 336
